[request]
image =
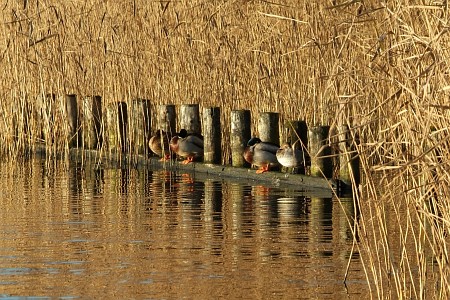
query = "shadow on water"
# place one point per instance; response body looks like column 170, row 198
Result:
column 139, row 232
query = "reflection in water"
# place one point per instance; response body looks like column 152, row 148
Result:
column 321, row 226
column 128, row 233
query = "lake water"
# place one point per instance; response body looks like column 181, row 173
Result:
column 98, row 233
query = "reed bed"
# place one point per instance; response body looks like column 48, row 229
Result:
column 380, row 67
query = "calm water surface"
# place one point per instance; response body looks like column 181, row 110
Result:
column 97, row 233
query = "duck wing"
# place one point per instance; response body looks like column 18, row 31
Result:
column 190, row 145
column 267, row 147
column 195, row 140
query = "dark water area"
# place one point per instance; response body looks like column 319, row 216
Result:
column 97, row 233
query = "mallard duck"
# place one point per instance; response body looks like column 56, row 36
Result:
column 261, row 154
column 159, row 144
column 289, row 156
column 189, row 146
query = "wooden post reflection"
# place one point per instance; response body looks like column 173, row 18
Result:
column 213, row 215
column 320, row 231
column 236, row 204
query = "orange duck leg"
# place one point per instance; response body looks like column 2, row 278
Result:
column 262, row 169
column 188, row 160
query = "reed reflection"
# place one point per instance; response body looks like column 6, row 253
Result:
column 76, row 179
column 148, row 180
column 98, row 186
column 144, row 230
column 348, row 217
column 124, row 180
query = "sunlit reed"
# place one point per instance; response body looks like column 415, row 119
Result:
column 379, row 67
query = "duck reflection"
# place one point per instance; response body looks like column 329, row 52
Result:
column 294, row 221
column 190, row 197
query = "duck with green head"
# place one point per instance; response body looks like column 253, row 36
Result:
column 261, row 154
column 189, row 146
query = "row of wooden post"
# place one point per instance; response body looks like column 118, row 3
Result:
column 128, row 126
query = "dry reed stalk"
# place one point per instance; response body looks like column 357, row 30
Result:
column 388, row 61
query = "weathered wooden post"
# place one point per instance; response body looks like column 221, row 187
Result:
column 139, row 125
column 72, row 120
column 190, row 118
column 212, row 133
column 123, row 125
column 268, row 127
column 320, row 151
column 296, row 134
column 111, row 126
column 91, row 122
column 167, row 118
column 348, row 160
column 240, row 134
column 115, row 127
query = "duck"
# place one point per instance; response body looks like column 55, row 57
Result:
column 290, row 157
column 189, row 146
column 159, row 144
column 261, row 154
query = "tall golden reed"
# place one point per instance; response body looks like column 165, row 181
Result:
column 382, row 67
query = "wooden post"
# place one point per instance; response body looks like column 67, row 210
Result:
column 190, row 118
column 167, row 119
column 111, row 137
column 348, row 161
column 296, row 133
column 320, row 151
column 123, row 125
column 72, row 119
column 91, row 121
column 268, row 127
column 240, row 134
column 212, row 135
column 115, row 126
column 139, row 126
